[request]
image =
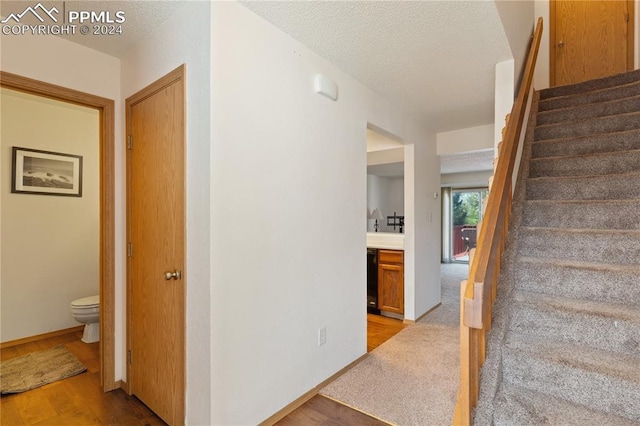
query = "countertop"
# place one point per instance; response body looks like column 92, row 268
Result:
column 385, row 240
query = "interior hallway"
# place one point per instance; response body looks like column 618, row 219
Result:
column 79, row 400
column 358, row 387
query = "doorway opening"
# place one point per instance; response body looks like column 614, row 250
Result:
column 107, row 209
column 467, row 206
column 385, row 216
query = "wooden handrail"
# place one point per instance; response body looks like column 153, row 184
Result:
column 478, row 293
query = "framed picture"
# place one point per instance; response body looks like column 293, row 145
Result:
column 45, row 172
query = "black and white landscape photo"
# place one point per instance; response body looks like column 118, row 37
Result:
column 44, row 172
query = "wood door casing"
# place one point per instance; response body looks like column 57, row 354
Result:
column 156, row 232
column 590, row 39
column 107, row 206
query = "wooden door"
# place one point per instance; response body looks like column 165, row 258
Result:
column 156, row 224
column 590, row 39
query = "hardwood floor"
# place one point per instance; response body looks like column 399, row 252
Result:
column 380, row 329
column 324, row 411
column 77, row 400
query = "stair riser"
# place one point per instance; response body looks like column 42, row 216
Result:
column 598, row 285
column 596, row 330
column 623, row 248
column 605, row 95
column 594, row 390
column 619, row 187
column 589, row 215
column 518, row 408
column 590, row 165
column 623, row 141
column 616, row 123
column 584, row 112
column 601, row 83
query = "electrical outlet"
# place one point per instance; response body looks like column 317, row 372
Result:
column 322, row 336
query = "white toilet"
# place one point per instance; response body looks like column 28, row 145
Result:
column 87, row 311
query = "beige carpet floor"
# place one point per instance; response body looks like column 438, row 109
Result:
column 412, row 379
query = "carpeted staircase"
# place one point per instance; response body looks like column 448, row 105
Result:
column 565, row 347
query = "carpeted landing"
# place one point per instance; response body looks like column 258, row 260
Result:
column 412, row 379
column 565, row 346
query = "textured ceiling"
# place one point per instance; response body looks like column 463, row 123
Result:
column 435, row 57
column 467, row 162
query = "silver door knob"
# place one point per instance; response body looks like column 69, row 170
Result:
column 561, row 44
column 175, row 275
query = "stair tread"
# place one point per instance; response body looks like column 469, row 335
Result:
column 586, row 95
column 582, row 279
column 634, row 232
column 569, row 123
column 621, row 366
column 627, row 174
column 588, row 126
column 618, row 267
column 591, row 85
column 573, row 305
column 603, row 380
column 599, row 108
column 609, row 201
column 579, row 138
column 538, row 408
column 588, row 155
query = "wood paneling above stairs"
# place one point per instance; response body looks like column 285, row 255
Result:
column 565, row 347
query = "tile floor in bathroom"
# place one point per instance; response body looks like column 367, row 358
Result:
column 77, row 400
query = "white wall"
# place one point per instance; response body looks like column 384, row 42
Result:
column 50, row 244
column 464, row 140
column 504, row 97
column 396, row 199
column 422, row 220
column 469, row 179
column 58, row 61
column 517, row 17
column 387, row 195
column 385, row 156
column 541, row 73
column 288, row 197
column 185, row 38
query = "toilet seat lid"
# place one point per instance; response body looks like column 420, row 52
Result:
column 86, row 302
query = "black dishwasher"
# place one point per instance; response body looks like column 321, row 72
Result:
column 372, row 281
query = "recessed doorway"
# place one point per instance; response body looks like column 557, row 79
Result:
column 106, row 110
column 467, row 206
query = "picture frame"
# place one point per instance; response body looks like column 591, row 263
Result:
column 40, row 172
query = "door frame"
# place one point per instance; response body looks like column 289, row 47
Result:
column 107, row 209
column 552, row 39
column 177, row 74
column 477, row 189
